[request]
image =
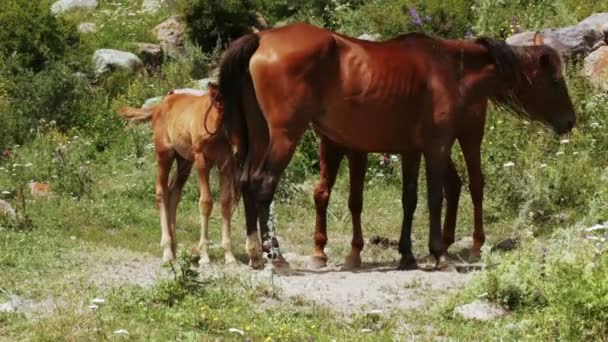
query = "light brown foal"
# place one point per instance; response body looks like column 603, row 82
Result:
column 184, row 124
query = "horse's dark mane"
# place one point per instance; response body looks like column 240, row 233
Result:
column 509, row 61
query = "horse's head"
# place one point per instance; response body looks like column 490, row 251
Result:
column 542, row 92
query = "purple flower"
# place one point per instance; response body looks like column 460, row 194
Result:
column 415, row 17
column 468, row 35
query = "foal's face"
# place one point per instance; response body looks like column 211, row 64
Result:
column 545, row 96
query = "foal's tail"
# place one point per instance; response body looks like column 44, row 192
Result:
column 136, row 115
column 234, row 75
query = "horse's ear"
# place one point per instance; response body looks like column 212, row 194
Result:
column 538, row 38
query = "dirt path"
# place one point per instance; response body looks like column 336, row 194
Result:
column 374, row 287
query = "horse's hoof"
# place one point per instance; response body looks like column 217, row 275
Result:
column 257, row 263
column 317, row 262
column 229, row 259
column 168, row 256
column 407, row 264
column 204, row 260
column 351, row 263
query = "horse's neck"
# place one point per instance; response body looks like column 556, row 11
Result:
column 479, row 75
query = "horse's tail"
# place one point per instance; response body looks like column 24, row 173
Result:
column 136, row 115
column 234, row 75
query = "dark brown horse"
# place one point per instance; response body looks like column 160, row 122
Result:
column 406, row 95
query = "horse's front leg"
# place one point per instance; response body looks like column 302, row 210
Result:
column 330, row 157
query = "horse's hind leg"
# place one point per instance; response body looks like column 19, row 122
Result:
column 264, row 183
column 205, row 204
column 409, row 199
column 175, row 191
column 329, row 163
column 164, row 160
column 451, row 189
column 436, row 161
column 226, row 194
column 357, row 164
column 471, row 150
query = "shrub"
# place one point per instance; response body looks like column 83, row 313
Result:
column 32, row 35
column 212, row 21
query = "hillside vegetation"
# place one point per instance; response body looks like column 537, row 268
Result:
column 58, row 126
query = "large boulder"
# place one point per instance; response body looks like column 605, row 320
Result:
column 596, row 67
column 171, row 36
column 575, row 41
column 108, row 60
column 62, row 6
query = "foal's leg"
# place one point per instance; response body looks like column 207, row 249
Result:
column 226, row 178
column 175, row 190
column 357, row 164
column 410, row 164
column 329, row 163
column 205, row 204
column 471, row 150
column 164, row 161
column 451, row 187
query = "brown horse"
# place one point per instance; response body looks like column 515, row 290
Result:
column 182, row 123
column 407, row 95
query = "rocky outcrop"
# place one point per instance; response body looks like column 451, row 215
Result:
column 106, row 60
column 596, row 67
column 171, row 36
column 575, row 41
column 63, row 6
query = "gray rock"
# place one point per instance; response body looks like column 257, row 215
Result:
column 596, row 67
column 150, row 54
column 63, row 6
column 374, row 37
column 171, row 36
column 479, row 310
column 6, row 209
column 571, row 41
column 87, row 27
column 152, row 102
column 12, row 305
column 153, row 6
column 108, row 59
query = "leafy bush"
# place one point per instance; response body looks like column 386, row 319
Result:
column 210, row 22
column 562, row 284
column 32, row 35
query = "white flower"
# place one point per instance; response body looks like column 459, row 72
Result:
column 595, row 125
column 559, row 153
column 28, row 165
column 543, row 165
column 121, row 332
column 98, row 301
column 509, row 164
column 93, row 307
column 6, row 192
column 564, row 141
column 596, row 227
column 366, row 330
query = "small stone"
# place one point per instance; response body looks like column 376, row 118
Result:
column 87, row 27
column 479, row 310
column 121, row 332
column 109, row 59
column 171, row 34
column 6, row 209
column 63, row 6
column 506, row 245
column 98, row 301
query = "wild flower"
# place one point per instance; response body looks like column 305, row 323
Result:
column 514, row 26
column 415, row 17
column 468, row 35
column 509, row 164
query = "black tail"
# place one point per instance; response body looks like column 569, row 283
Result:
column 234, row 71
